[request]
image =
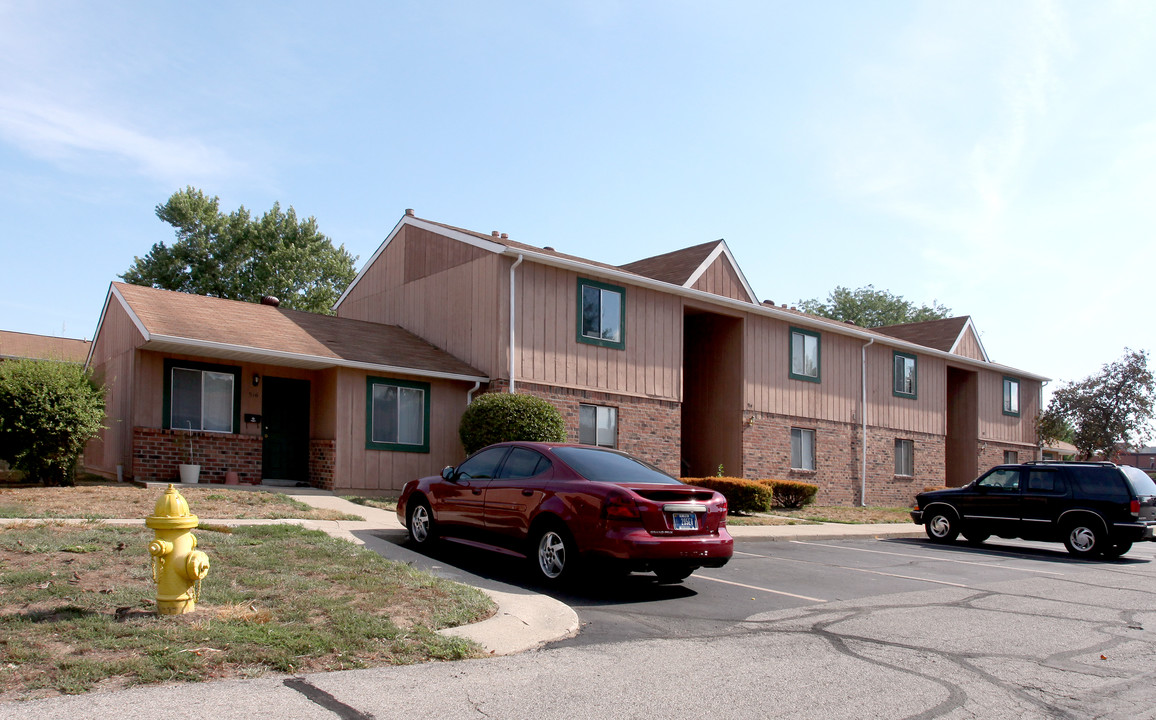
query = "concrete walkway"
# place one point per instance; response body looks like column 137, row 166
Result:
column 525, row 619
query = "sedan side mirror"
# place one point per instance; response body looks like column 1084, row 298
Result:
column 448, row 473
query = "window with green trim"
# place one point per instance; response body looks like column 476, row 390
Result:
column 396, row 415
column 903, row 375
column 1011, row 396
column 805, row 355
column 201, row 396
column 601, row 314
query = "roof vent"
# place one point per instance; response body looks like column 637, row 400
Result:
column 505, row 236
column 549, row 248
column 495, row 233
column 271, row 301
column 769, row 302
column 849, row 322
column 409, row 212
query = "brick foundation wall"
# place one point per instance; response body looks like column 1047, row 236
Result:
column 838, row 462
column 322, row 463
column 156, row 454
column 989, row 454
column 648, row 429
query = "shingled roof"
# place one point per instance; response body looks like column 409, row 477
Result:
column 673, row 267
column 939, row 334
column 195, row 324
column 42, row 347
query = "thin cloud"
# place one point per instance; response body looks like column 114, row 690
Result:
column 66, row 135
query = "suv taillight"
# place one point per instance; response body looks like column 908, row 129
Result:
column 1134, row 506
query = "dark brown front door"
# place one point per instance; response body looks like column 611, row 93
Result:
column 285, row 429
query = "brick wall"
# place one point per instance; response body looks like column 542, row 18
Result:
column 157, row 453
column 991, row 453
column 322, row 463
column 838, row 462
column 648, row 429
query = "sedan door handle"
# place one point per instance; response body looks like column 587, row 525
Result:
column 477, row 491
column 528, row 493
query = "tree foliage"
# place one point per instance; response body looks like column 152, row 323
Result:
column 48, row 411
column 1111, row 408
column 239, row 257
column 868, row 307
column 499, row 417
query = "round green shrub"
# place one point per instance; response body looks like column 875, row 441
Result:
column 499, row 417
column 743, row 496
column 48, row 411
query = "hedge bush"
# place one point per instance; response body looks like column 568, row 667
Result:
column 499, row 417
column 743, row 496
column 791, row 494
column 48, row 411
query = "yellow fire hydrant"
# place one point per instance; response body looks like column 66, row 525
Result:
column 178, row 567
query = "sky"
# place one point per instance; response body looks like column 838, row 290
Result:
column 998, row 158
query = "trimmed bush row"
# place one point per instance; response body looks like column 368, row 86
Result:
column 754, row 496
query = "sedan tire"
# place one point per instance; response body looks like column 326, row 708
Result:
column 422, row 531
column 554, row 558
column 673, row 574
column 942, row 526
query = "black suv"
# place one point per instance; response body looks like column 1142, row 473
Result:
column 1094, row 508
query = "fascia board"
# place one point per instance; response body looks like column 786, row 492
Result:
column 418, row 223
column 797, row 320
column 958, row 340
column 722, row 249
column 320, row 360
column 114, row 292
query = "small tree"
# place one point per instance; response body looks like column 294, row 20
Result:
column 48, row 411
column 1103, row 411
column 868, row 307
column 499, row 417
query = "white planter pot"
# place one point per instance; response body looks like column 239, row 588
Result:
column 190, row 474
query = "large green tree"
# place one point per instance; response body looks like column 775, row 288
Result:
column 240, row 257
column 1104, row 411
column 868, row 307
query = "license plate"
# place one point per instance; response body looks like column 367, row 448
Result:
column 685, row 521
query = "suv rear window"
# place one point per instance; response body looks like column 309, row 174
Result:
column 1104, row 482
column 1141, row 482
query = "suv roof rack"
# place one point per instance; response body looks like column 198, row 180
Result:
column 1069, row 462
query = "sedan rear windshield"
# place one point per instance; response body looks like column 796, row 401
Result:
column 1141, row 483
column 609, row 466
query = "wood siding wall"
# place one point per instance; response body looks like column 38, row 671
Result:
column 548, row 351
column 837, row 398
column 450, row 293
column 993, row 424
column 721, row 279
column 359, row 468
column 969, row 346
column 113, row 363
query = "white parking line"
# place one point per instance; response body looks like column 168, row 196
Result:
column 700, row 576
column 855, row 569
column 924, row 557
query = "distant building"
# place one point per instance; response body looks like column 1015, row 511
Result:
column 42, row 347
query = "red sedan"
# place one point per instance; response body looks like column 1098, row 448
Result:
column 563, row 505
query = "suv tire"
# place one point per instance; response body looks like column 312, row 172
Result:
column 1083, row 539
column 942, row 526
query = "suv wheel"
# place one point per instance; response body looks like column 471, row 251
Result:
column 941, row 526
column 1083, row 540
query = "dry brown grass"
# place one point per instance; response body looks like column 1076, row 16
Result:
column 852, row 515
column 109, row 499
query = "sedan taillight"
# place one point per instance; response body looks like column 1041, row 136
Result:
column 621, row 507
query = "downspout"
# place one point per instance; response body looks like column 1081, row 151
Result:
column 512, row 337
column 863, row 425
column 1039, row 443
column 470, row 393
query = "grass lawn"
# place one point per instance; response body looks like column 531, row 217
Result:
column 77, row 601
column 852, row 515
